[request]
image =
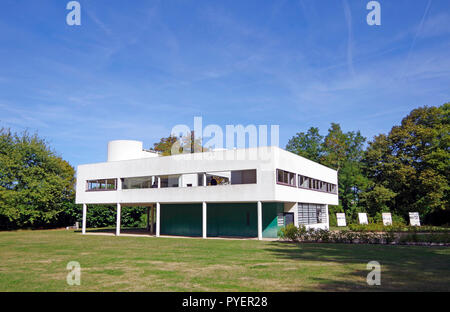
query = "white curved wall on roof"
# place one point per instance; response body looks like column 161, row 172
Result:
column 127, row 149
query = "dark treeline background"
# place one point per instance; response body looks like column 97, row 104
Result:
column 404, row 170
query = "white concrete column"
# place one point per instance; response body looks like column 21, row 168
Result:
column 159, row 182
column 83, row 227
column 295, row 208
column 328, row 217
column 118, row 219
column 158, row 218
column 204, row 208
column 260, row 220
column 204, row 179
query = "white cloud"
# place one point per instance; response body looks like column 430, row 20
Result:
column 434, row 26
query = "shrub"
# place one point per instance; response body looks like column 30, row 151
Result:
column 396, row 227
column 290, row 232
column 323, row 235
column 302, row 234
column 389, row 237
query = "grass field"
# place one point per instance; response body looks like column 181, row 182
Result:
column 36, row 261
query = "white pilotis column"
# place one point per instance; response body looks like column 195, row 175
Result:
column 118, row 220
column 260, row 220
column 204, row 207
column 83, row 226
column 158, row 217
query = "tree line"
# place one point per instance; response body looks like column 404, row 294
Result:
column 405, row 170
column 37, row 188
column 402, row 171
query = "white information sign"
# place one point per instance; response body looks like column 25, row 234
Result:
column 280, row 220
column 414, row 219
column 341, row 219
column 362, row 216
column 387, row 218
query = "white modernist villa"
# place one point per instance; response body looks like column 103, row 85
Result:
column 240, row 192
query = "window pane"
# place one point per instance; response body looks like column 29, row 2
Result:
column 292, row 179
column 200, row 179
column 102, row 184
column 285, row 177
column 279, row 175
column 164, row 181
column 243, row 176
column 218, row 178
column 139, row 183
column 111, row 184
column 319, row 213
column 170, row 181
column 302, row 214
column 311, row 213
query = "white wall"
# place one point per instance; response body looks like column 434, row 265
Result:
column 265, row 160
column 127, row 149
column 191, row 178
column 285, row 160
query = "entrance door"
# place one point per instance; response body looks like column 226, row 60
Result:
column 288, row 218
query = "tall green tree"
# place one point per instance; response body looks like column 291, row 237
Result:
column 344, row 151
column 413, row 162
column 185, row 144
column 308, row 145
column 36, row 185
column 164, row 146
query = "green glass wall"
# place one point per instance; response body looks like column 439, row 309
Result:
column 228, row 219
column 269, row 219
column 232, row 219
column 181, row 219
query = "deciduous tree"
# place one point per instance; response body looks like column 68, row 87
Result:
column 308, row 145
column 413, row 161
column 36, row 185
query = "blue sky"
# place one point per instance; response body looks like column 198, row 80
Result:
column 135, row 69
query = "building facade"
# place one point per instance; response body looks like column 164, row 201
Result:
column 225, row 193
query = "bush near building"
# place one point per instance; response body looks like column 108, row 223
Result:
column 389, row 235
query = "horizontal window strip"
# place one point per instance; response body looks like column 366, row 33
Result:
column 289, row 179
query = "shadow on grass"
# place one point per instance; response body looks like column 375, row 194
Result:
column 403, row 268
column 112, row 231
column 144, row 231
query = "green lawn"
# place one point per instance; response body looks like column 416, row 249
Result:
column 36, row 261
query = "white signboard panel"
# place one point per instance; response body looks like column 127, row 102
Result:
column 387, row 218
column 414, row 219
column 362, row 216
column 280, row 220
column 341, row 219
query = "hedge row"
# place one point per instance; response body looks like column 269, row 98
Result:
column 396, row 227
column 301, row 234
